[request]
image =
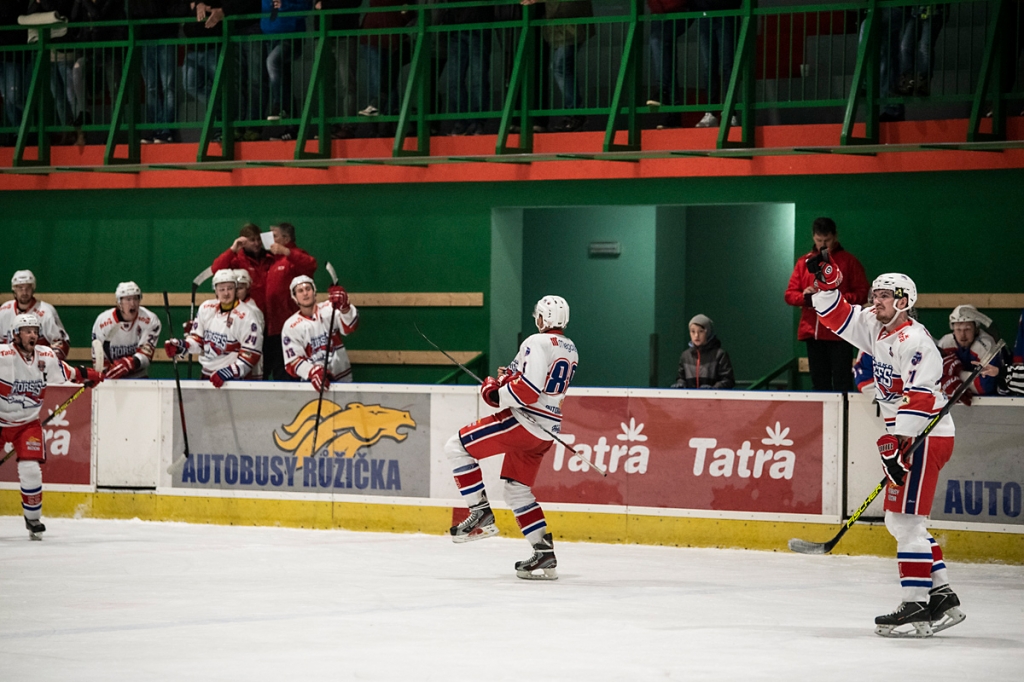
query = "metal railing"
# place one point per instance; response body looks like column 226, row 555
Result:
column 457, row 376
column 409, row 71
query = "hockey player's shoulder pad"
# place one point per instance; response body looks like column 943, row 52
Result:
column 108, row 318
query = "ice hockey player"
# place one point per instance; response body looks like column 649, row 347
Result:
column 907, row 369
column 224, row 335
column 243, row 284
column 51, row 331
column 129, row 333
column 529, row 392
column 26, row 368
column 304, row 335
column 961, row 350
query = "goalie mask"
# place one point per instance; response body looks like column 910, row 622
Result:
column 553, row 310
column 968, row 313
column 900, row 285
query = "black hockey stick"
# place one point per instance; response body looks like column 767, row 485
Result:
column 529, row 417
column 805, row 547
column 199, row 279
column 177, row 380
column 326, row 378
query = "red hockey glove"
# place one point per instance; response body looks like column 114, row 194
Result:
column 317, row 378
column 118, row 368
column 174, row 348
column 489, row 391
column 894, row 451
column 951, row 368
column 505, row 376
column 339, row 298
column 222, row 375
column 186, row 327
column 87, row 376
column 824, row 270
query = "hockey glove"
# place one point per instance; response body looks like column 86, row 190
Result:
column 489, row 391
column 175, row 348
column 87, row 376
column 186, row 327
column 894, row 451
column 317, row 378
column 506, row 377
column 221, row 375
column 122, row 366
column 339, row 298
column 824, row 270
column 951, row 382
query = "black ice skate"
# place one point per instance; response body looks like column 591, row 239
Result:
column 915, row 614
column 942, row 604
column 35, row 528
column 543, row 560
column 477, row 526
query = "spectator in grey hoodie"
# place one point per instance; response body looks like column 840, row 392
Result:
column 704, row 364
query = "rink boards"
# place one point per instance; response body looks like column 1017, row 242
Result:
column 690, row 468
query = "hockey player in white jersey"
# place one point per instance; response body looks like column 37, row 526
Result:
column 224, row 335
column 908, row 372
column 129, row 334
column 304, row 334
column 243, row 282
column 51, row 330
column 529, row 392
column 26, row 368
column 961, row 350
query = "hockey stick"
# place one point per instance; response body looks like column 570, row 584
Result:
column 199, row 279
column 320, row 400
column 177, row 386
column 805, row 547
column 529, row 417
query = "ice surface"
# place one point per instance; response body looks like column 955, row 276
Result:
column 129, row 600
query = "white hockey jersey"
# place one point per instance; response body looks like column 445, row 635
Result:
column 23, row 382
column 542, row 372
column 257, row 371
column 124, row 339
column 224, row 339
column 907, row 365
column 983, row 345
column 304, row 341
column 51, row 329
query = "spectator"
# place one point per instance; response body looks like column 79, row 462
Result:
column 962, row 349
column 662, row 43
column 469, row 65
column 159, row 63
column 828, row 356
column 564, row 40
column 346, row 54
column 200, row 64
column 280, row 54
column 247, row 253
column 716, row 42
column 917, row 43
column 891, row 22
column 383, row 56
column 704, row 364
column 101, row 62
column 62, row 62
column 51, row 329
column 13, row 65
column 251, row 82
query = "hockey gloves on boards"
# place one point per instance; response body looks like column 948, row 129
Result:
column 317, row 378
column 489, row 391
column 175, row 348
column 951, row 381
column 824, row 270
column 87, row 376
column 122, row 366
column 339, row 298
column 895, row 452
column 222, row 375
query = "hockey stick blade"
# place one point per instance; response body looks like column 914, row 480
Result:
column 332, row 272
column 202, row 277
column 804, row 547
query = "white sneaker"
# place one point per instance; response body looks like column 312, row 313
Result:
column 653, row 103
column 370, row 111
column 709, row 121
column 734, row 121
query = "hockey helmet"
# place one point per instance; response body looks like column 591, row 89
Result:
column 900, row 285
column 968, row 313
column 301, row 279
column 125, row 289
column 242, row 276
column 23, row 277
column 24, row 320
column 222, row 276
column 553, row 310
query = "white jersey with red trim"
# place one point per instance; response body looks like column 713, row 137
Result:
column 907, row 364
column 257, row 371
column 983, row 345
column 23, row 382
column 304, row 341
column 225, row 338
column 124, row 339
column 51, row 329
column 541, row 374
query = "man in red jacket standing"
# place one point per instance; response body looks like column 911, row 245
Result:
column 829, row 357
column 272, row 270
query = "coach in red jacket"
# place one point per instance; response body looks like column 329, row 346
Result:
column 272, row 272
column 829, row 357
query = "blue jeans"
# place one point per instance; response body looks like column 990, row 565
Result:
column 65, row 98
column 891, row 23
column 198, row 71
column 563, row 70
column 716, row 42
column 279, row 70
column 12, row 78
column 664, row 35
column 382, row 64
column 919, row 36
column 469, row 51
column 158, row 67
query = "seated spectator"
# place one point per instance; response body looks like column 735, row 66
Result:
column 704, row 364
column 963, row 348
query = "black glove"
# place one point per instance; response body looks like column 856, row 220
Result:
column 815, row 263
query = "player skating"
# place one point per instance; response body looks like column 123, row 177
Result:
column 530, row 391
column 26, row 368
column 224, row 335
column 243, row 283
column 304, row 334
column 51, row 330
column 908, row 372
column 129, row 334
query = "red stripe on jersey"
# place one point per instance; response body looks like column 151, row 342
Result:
column 919, row 401
column 837, row 317
column 349, row 328
column 523, row 390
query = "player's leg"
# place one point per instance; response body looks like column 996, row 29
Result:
column 470, row 482
column 943, row 604
column 530, row 519
column 28, row 446
column 914, row 557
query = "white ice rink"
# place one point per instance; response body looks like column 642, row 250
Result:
column 128, row 600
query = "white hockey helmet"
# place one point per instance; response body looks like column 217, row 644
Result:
column 968, row 313
column 900, row 285
column 553, row 310
column 23, row 277
column 127, row 289
column 24, row 320
column 242, row 276
column 223, row 275
column 301, row 279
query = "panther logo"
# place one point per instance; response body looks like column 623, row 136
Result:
column 343, row 430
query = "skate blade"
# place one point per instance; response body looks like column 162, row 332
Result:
column 917, row 631
column 35, row 536
column 477, row 534
column 545, row 574
column 950, row 618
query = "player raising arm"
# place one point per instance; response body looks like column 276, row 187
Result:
column 304, row 334
column 129, row 334
column 908, row 372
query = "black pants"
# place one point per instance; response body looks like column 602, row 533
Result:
column 831, row 365
column 273, row 360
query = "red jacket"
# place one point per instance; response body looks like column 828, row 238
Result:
column 854, row 289
column 271, row 277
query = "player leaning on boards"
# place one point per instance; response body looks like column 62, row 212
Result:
column 530, row 391
column 26, row 367
column 304, row 335
column 908, row 371
column 224, row 334
column 129, row 334
column 51, row 331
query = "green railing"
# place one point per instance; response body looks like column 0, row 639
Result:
column 791, row 366
column 478, row 364
column 513, row 72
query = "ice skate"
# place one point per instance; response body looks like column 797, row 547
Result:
column 35, row 528
column 915, row 614
column 942, row 604
column 477, row 526
column 543, row 560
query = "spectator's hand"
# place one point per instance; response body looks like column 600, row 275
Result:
column 201, row 11
column 317, row 6
column 339, row 298
column 277, row 4
column 279, row 250
column 216, row 16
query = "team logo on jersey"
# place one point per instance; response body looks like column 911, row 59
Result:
column 343, row 430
